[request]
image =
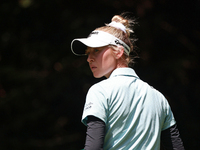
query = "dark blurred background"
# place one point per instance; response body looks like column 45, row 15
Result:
column 43, row 85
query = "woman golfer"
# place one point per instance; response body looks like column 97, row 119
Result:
column 122, row 112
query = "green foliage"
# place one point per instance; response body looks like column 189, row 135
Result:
column 43, row 85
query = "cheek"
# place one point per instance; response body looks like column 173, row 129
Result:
column 109, row 60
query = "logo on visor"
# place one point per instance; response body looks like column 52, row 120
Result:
column 118, row 43
column 94, row 32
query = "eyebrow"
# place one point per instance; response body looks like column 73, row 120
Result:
column 93, row 48
column 88, row 50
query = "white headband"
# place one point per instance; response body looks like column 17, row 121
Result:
column 118, row 25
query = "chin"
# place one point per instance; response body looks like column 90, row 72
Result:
column 97, row 76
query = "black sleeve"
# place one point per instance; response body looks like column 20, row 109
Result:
column 171, row 140
column 95, row 134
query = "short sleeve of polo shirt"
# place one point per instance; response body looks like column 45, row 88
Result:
column 96, row 104
column 169, row 117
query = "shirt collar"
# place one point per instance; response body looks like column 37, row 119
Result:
column 124, row 72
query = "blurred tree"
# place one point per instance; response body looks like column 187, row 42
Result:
column 43, row 85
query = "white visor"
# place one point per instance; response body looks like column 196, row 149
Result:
column 96, row 39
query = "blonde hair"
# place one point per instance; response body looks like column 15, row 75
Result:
column 127, row 37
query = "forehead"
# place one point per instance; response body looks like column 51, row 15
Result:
column 93, row 48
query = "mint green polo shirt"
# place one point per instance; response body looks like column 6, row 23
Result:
column 134, row 112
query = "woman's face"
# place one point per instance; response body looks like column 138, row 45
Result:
column 101, row 61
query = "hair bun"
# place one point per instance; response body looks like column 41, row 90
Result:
column 120, row 19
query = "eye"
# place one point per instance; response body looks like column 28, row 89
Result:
column 96, row 50
column 87, row 52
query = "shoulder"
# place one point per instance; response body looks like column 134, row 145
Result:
column 101, row 85
column 98, row 87
column 102, row 88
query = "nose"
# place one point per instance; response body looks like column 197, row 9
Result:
column 90, row 58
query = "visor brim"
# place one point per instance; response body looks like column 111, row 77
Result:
column 79, row 46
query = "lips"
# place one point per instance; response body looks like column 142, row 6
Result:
column 92, row 67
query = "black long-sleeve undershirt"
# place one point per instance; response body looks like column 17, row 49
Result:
column 170, row 138
column 95, row 134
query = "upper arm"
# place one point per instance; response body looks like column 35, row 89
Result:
column 171, row 140
column 96, row 104
column 95, row 134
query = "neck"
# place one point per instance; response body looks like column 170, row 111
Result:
column 118, row 66
column 122, row 66
column 122, row 63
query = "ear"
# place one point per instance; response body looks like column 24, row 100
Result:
column 120, row 52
